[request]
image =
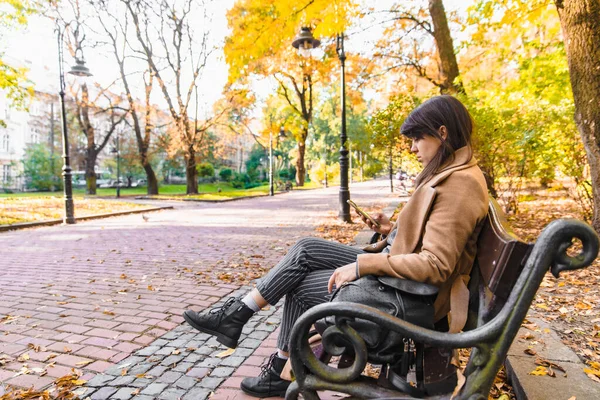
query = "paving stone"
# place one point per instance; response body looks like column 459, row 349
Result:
column 82, row 393
column 123, row 381
column 210, row 362
column 141, row 382
column 173, row 359
column 148, row 351
column 100, row 380
column 186, row 382
column 164, row 351
column 124, row 393
column 157, row 371
column 154, row 389
column 259, row 335
column 179, row 343
column 197, row 372
column 188, row 336
column 170, row 377
column 250, row 343
column 183, row 366
column 221, row 372
column 172, row 394
column 232, row 361
column 204, row 350
column 103, row 393
column 266, row 328
column 170, row 336
column 212, row 342
column 140, row 368
column 160, row 342
column 144, row 397
column 195, row 344
column 211, row 382
column 197, row 394
column 243, row 352
column 194, row 358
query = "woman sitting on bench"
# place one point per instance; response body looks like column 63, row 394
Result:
column 435, row 243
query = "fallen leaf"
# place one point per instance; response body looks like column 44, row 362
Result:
column 539, row 371
column 84, row 363
column 530, row 352
column 225, row 353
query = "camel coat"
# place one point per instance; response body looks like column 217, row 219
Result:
column 437, row 236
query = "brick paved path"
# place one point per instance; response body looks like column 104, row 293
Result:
column 106, row 296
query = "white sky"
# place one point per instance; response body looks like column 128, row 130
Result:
column 36, row 48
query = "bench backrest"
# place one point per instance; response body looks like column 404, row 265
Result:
column 500, row 258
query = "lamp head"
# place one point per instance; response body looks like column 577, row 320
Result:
column 79, row 69
column 282, row 134
column 305, row 42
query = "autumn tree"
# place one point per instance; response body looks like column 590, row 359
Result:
column 260, row 46
column 384, row 127
column 13, row 79
column 580, row 20
column 404, row 43
column 174, row 40
column 142, row 115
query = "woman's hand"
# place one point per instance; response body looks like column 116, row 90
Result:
column 385, row 225
column 341, row 275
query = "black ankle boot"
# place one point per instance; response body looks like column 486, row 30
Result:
column 269, row 383
column 225, row 322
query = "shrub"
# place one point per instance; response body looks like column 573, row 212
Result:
column 226, row 174
column 205, row 170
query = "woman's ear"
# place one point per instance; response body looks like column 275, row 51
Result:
column 443, row 131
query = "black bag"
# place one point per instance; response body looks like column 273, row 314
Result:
column 408, row 300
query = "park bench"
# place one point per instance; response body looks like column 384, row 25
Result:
column 504, row 280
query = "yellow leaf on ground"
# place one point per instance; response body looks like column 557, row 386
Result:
column 226, row 353
column 539, row 371
column 84, row 363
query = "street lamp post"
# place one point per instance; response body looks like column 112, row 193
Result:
column 344, row 190
column 118, row 155
column 79, row 69
column 271, row 191
column 303, row 42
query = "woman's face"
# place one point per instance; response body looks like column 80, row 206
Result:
column 425, row 148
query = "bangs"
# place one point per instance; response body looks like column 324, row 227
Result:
column 412, row 133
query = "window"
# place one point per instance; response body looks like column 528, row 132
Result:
column 34, row 135
column 5, row 173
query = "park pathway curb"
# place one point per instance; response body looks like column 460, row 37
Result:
column 50, row 222
column 547, row 345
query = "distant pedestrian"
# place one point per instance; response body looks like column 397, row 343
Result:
column 436, row 244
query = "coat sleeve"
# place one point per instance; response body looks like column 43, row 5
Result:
column 460, row 204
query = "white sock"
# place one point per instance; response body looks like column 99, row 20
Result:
column 248, row 300
column 281, row 355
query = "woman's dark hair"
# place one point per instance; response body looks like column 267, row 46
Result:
column 428, row 118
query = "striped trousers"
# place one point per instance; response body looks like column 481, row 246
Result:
column 302, row 276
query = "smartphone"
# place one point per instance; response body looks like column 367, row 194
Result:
column 364, row 214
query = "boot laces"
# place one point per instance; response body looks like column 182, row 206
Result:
column 221, row 309
column 266, row 367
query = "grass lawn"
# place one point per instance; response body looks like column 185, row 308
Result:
column 19, row 209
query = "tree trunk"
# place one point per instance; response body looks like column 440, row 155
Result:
column 151, row 178
column 580, row 21
column 90, row 174
column 443, row 40
column 191, row 174
column 300, row 170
